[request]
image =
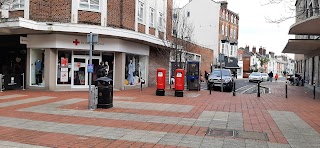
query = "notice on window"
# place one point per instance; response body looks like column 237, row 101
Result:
column 64, row 62
column 64, row 76
column 64, row 69
column 76, row 66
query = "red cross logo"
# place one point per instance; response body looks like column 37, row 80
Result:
column 76, row 42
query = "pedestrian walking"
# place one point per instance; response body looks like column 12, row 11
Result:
column 270, row 76
column 206, row 75
column 276, row 77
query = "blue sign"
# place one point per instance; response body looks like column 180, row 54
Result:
column 90, row 68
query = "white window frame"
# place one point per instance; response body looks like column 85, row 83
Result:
column 90, row 6
column 161, row 20
column 18, row 4
column 226, row 31
column 141, row 6
column 222, row 49
column 151, row 23
column 232, row 18
column 222, row 30
column 227, row 16
column 231, row 33
column 235, row 33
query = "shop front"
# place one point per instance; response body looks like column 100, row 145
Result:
column 61, row 62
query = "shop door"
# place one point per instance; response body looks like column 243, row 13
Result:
column 79, row 75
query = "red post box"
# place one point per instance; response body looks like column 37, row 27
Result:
column 161, row 81
column 179, row 82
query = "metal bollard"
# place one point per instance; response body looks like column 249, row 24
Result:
column 210, row 86
column 314, row 91
column 258, row 89
column 1, row 85
column 23, row 81
column 234, row 88
column 286, row 89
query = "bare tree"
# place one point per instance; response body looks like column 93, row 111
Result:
column 292, row 8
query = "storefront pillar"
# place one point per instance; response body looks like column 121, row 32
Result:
column 50, row 69
column 119, row 67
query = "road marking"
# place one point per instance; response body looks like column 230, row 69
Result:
column 7, row 144
column 29, row 100
column 11, row 96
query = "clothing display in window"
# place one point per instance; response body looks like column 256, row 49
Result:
column 38, row 72
column 130, row 76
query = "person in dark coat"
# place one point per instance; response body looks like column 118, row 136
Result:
column 206, row 75
column 270, row 76
column 101, row 70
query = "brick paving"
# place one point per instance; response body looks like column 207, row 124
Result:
column 141, row 119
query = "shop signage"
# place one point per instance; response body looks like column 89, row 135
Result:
column 90, row 68
column 23, row 40
column 64, row 62
column 64, row 76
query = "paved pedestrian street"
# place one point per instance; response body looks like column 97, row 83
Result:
column 141, row 119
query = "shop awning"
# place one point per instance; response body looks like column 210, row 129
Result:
column 308, row 26
column 301, row 46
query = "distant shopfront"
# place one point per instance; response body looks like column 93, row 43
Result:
column 59, row 62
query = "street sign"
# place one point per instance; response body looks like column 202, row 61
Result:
column 221, row 57
column 90, row 68
column 94, row 38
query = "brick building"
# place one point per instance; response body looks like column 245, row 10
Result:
column 228, row 32
column 47, row 41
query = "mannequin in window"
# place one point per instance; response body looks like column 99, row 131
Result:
column 130, row 72
column 106, row 67
column 100, row 72
column 38, row 72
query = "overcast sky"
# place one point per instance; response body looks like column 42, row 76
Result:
column 254, row 30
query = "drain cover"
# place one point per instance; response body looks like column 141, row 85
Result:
column 220, row 132
column 251, row 135
column 237, row 134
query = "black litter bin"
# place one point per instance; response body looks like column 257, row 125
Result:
column 105, row 92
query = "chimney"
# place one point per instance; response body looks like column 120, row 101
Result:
column 246, row 50
column 224, row 4
column 264, row 51
column 254, row 50
column 260, row 51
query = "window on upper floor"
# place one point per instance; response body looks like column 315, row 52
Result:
column 222, row 48
column 222, row 30
column 90, row 4
column 188, row 14
column 227, row 16
column 151, row 17
column 226, row 31
column 231, row 19
column 231, row 33
column 223, row 14
column 17, row 4
column 231, row 51
column 161, row 19
column 235, row 34
column 141, row 12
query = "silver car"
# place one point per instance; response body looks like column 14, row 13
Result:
column 255, row 77
column 265, row 77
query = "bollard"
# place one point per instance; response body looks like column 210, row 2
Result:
column 23, row 81
column 258, row 89
column 234, row 88
column 286, row 89
column 210, row 86
column 314, row 91
column 1, row 77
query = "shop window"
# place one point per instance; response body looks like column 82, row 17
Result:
column 135, row 70
column 64, row 67
column 37, row 67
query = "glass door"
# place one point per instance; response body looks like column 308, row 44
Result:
column 80, row 78
column 95, row 63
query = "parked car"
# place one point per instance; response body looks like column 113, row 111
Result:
column 255, row 77
column 265, row 77
column 215, row 79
